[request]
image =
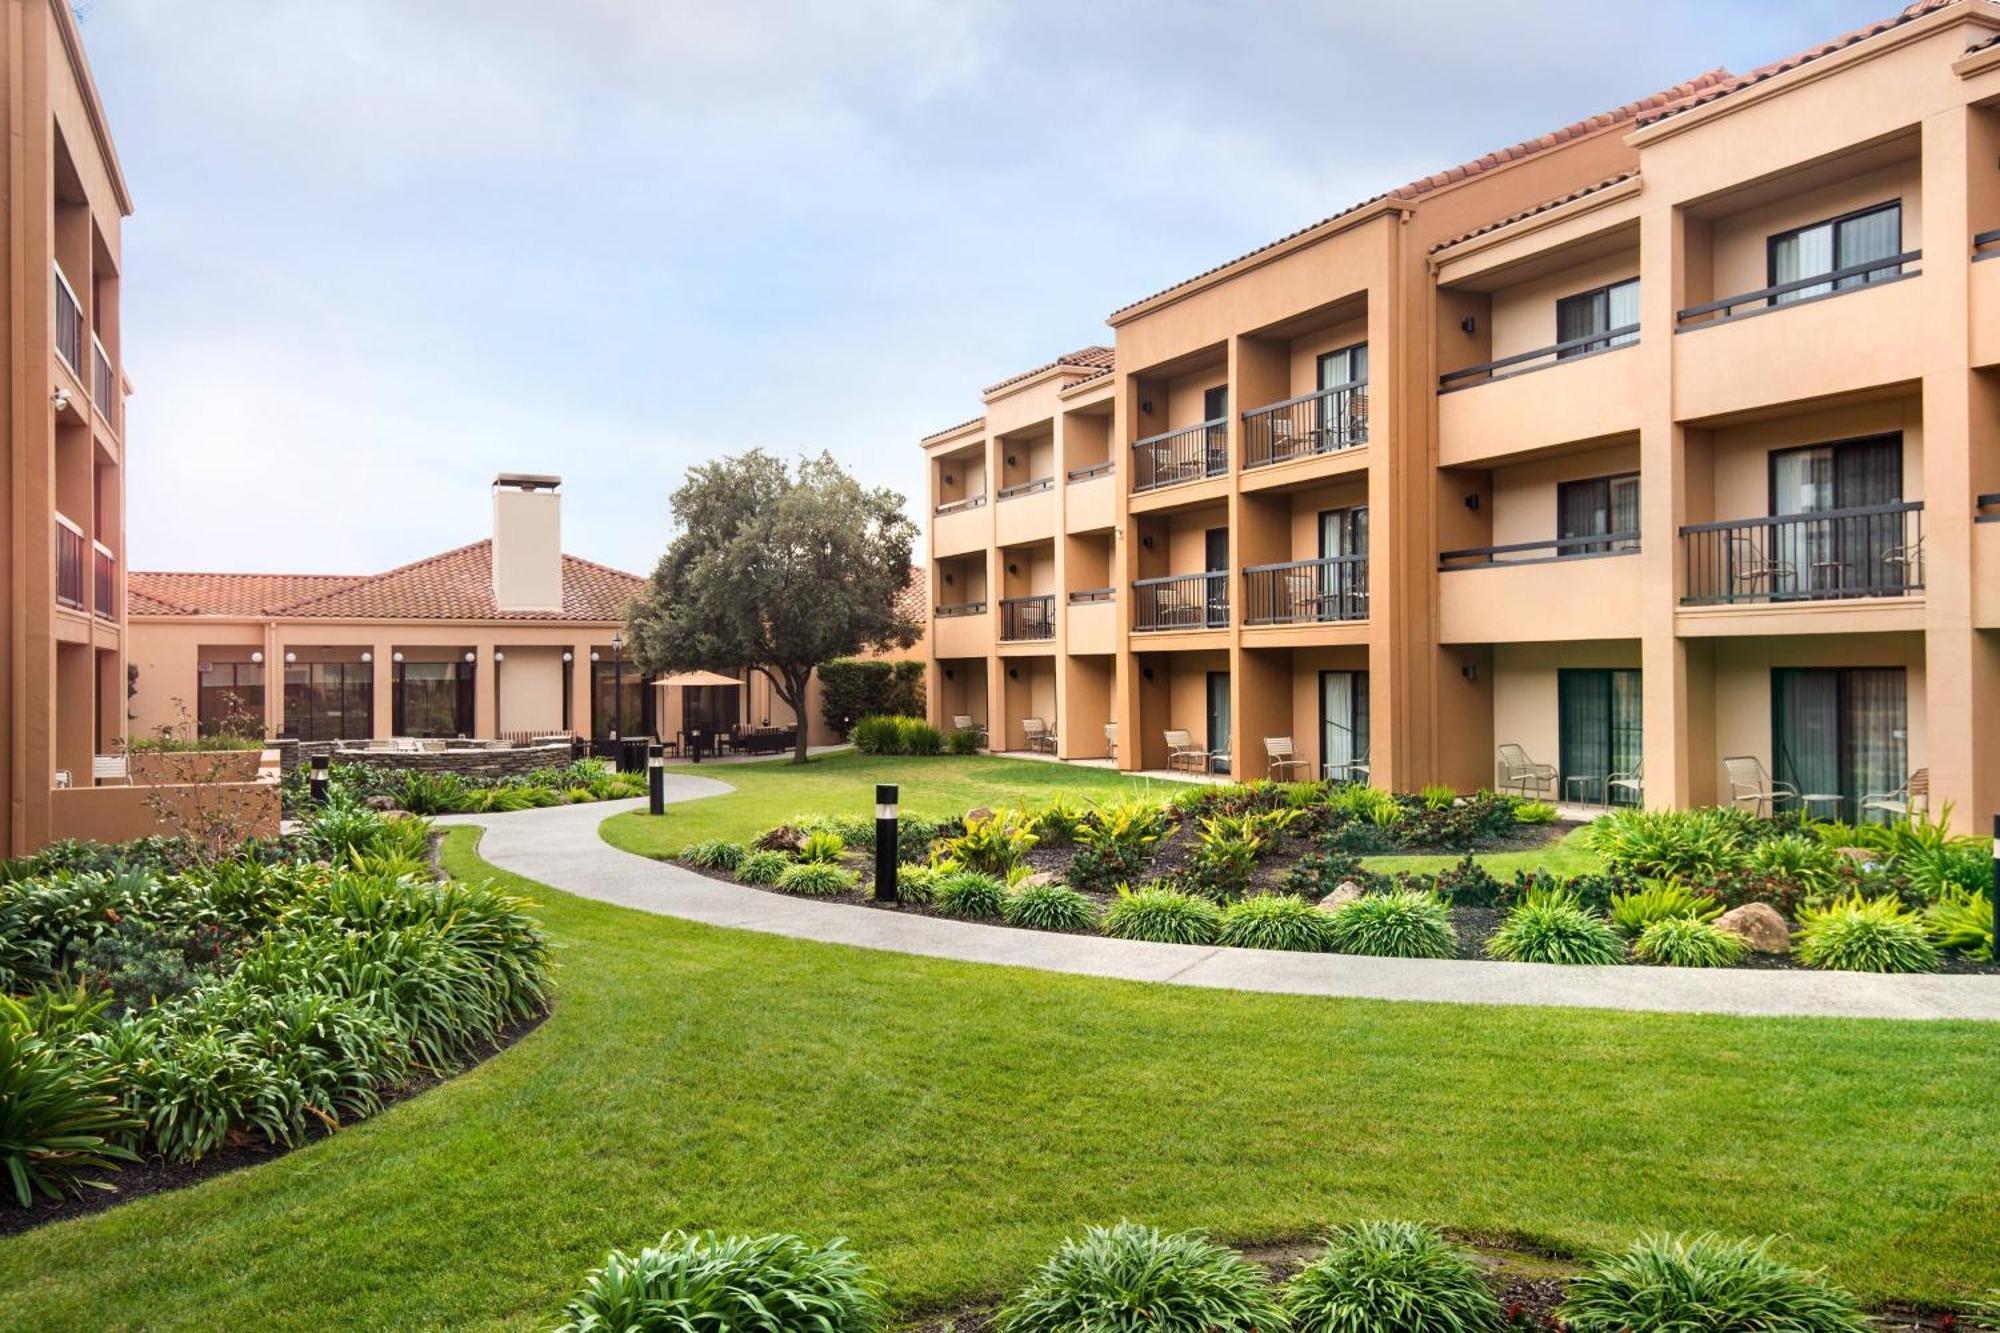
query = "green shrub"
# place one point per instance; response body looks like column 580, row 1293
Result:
column 1438, row 796
column 917, row 737
column 969, row 893
column 1114, row 842
column 1390, row 1277
column 1680, row 941
column 1135, row 1279
column 1317, row 874
column 1467, row 884
column 1163, row 916
column 1394, row 925
column 1811, row 865
column 1555, row 928
column 961, row 740
column 864, row 687
column 729, row 1284
column 1535, row 812
column 1276, row 921
column 992, row 846
column 1690, row 845
column 762, row 867
column 1854, row 934
column 1055, row 824
column 1369, row 805
column 817, row 879
column 882, row 734
column 1965, row 864
column 714, row 854
column 1221, row 864
column 1633, row 912
column 917, row 883
column 57, row 1120
column 1049, row 907
column 823, row 848
column 1962, row 920
column 138, row 963
column 1702, row 1285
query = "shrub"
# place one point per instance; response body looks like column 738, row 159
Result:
column 1055, row 824
column 1808, row 863
column 139, row 963
column 1135, row 1279
column 1535, row 812
column 1962, row 920
column 714, row 854
column 1467, row 884
column 1113, row 843
column 1690, row 845
column 1276, row 921
column 1555, row 928
column 863, row 687
column 1049, row 907
column 1370, row 805
column 917, row 883
column 1359, row 837
column 1394, row 925
column 1704, row 1284
column 918, row 737
column 1390, row 1277
column 1965, row 864
column 1319, row 873
column 992, row 846
column 729, row 1284
column 1163, row 916
column 962, row 740
column 762, row 867
column 1855, row 934
column 56, row 1120
column 1680, row 941
column 1438, row 796
column 881, row 734
column 1633, row 912
column 969, row 893
column 817, row 879
column 822, row 848
column 1221, row 865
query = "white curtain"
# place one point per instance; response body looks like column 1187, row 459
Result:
column 1801, row 255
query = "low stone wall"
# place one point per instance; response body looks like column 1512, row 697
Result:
column 468, row 763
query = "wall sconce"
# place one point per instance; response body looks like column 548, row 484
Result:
column 396, row 656
column 594, row 657
column 291, row 657
column 1013, row 461
column 1147, row 541
column 950, row 674
column 950, row 480
column 498, row 656
column 367, row 656
column 568, row 656
column 1472, row 502
column 257, row 658
column 1145, row 407
column 1013, row 673
column 1469, row 324
column 948, row 578
column 1013, row 568
column 1469, row 671
column 1146, row 673
column 471, row 657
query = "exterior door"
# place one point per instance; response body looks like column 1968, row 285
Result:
column 1840, row 732
column 1824, row 557
column 1600, row 725
column 1343, row 404
column 1343, row 591
column 1215, row 411
column 1215, row 550
column 1343, row 725
column 1218, row 720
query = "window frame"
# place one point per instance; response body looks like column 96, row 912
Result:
column 1598, row 344
column 1774, row 239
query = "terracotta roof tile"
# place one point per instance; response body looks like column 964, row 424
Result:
column 226, row 594
column 913, row 601
column 1983, row 43
column 1093, row 357
column 950, row 430
column 1544, row 207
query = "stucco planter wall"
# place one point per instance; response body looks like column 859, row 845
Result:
column 155, row 769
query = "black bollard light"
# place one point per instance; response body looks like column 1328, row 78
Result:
column 694, row 743
column 885, row 843
column 317, row 782
column 1994, row 889
column 656, row 778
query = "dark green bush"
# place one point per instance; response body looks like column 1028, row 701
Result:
column 1276, row 921
column 881, row 734
column 58, row 1120
column 962, row 740
column 1163, row 916
column 729, row 1284
column 1135, row 1279
column 1317, row 874
column 917, row 737
column 857, row 687
column 969, row 893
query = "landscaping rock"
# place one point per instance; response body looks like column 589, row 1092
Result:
column 382, row 803
column 1039, row 879
column 977, row 813
column 1343, row 893
column 1760, row 927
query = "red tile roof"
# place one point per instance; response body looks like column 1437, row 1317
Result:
column 454, row 585
column 950, row 430
column 1094, row 357
column 1543, row 207
column 913, row 601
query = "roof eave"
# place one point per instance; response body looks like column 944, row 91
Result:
column 93, row 105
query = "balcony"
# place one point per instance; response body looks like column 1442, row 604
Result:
column 1831, row 556
column 1565, row 588
column 1090, row 504
column 69, row 323
column 1092, row 626
column 1306, row 592
column 1025, row 512
column 106, row 588
column 1986, row 298
column 1322, row 422
column 1089, row 472
column 103, row 384
column 1181, row 602
column 1178, row 456
column 1027, row 619
column 69, row 563
column 1503, row 407
column 962, row 526
column 962, row 629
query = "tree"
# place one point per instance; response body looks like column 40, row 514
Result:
column 778, row 570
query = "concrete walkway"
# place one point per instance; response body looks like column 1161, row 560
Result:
column 560, row 847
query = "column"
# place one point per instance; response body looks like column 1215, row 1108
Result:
column 485, row 699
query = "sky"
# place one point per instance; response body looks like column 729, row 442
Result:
column 384, row 249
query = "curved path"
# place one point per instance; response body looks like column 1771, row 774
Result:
column 560, row 847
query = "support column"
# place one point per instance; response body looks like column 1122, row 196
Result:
column 579, row 690
column 1667, row 742
column 485, row 699
column 382, row 692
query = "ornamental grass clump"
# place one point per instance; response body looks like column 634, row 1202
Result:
column 763, row 867
column 1695, row 846
column 1162, row 916
column 729, row 1284
column 57, row 1121
column 1681, row 941
column 1963, row 921
column 1402, row 924
column 1555, row 928
column 1276, row 921
column 970, row 894
column 1049, row 907
column 1390, row 1277
column 823, row 847
column 1705, row 1285
column 713, row 854
column 1136, row 1279
column 1855, row 934
column 817, row 879
column 1633, row 912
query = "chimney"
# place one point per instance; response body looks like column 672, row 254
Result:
column 527, row 542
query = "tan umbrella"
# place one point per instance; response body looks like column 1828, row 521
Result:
column 698, row 678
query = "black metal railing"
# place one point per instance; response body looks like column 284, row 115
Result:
column 1092, row 596
column 1986, row 244
column 1027, row 487
column 103, row 385
column 1322, row 422
column 1306, row 592
column 1988, row 501
column 1182, row 455
column 69, row 563
column 1181, row 601
column 1090, row 470
column 69, row 323
column 1852, row 278
column 950, row 609
column 106, row 586
column 959, row 506
column 1027, row 618
column 1536, row 553
column 1570, row 349
column 1868, row 551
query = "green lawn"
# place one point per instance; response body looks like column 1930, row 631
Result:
column 1571, row 856
column 954, row 1120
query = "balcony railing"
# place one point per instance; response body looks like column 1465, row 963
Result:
column 1990, row 503
column 1521, row 363
column 1306, row 592
column 103, row 384
column 1536, row 553
column 69, row 323
column 1024, row 619
column 1312, row 423
column 1182, row 455
column 950, row 609
column 1090, row 470
column 69, row 563
column 1027, row 487
column 1986, row 244
column 959, row 506
column 1869, row 551
column 1181, row 602
column 1820, row 285
column 106, row 589
column 1092, row 596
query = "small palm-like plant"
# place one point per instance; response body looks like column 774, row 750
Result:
column 993, row 845
column 817, row 879
column 1555, row 928
column 823, row 847
column 1404, row 924
column 1277, row 921
column 1390, row 1277
column 1049, row 907
column 1706, row 1283
column 1680, row 941
column 763, row 867
column 1855, row 934
column 730, row 1284
column 1962, row 920
column 56, row 1121
column 713, row 854
column 1535, row 812
column 1137, row 1279
column 1162, row 916
column 968, row 893
column 1438, row 796
column 1633, row 912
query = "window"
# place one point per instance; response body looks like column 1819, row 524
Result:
column 1838, row 243
column 1597, row 312
column 230, row 697
column 1840, row 732
column 1601, row 728
column 1343, row 410
column 433, row 699
column 1215, row 441
column 1343, row 725
column 1343, row 585
column 1218, row 721
column 1857, row 553
column 1596, row 507
column 330, row 701
column 619, row 699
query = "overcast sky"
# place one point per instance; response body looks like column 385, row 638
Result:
column 386, row 248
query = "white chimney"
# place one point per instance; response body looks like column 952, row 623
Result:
column 527, row 542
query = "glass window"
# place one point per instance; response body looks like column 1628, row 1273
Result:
column 1838, row 243
column 230, row 697
column 1598, row 506
column 1840, row 552
column 1589, row 314
column 619, row 700
column 1343, row 725
column 1343, row 410
column 329, row 701
column 1601, row 728
column 433, row 699
column 1840, row 732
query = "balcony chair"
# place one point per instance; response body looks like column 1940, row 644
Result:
column 964, row 722
column 1354, row 770
column 1904, row 565
column 1282, row 756
column 1290, row 440
column 1034, row 733
column 1750, row 566
column 1111, row 739
column 1174, row 609
column 1907, row 801
column 1633, row 782
column 1522, row 775
column 1183, row 755
column 1752, row 784
column 110, row 768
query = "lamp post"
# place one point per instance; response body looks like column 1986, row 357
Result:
column 617, row 685
column 656, row 778
column 885, row 843
column 316, row 782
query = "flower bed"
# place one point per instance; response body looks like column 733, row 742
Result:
column 423, row 792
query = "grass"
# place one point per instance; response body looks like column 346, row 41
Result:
column 844, row 784
column 1571, row 855
column 956, row 1120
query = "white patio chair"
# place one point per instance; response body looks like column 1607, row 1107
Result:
column 1522, row 775
column 1111, row 739
column 1752, row 784
column 1633, row 782
column 1034, row 732
column 1907, row 801
column 1282, row 757
column 1183, row 754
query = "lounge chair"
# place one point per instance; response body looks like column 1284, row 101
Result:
column 1752, row 784
column 1183, row 754
column 1633, row 782
column 1907, row 801
column 1751, row 571
column 1034, row 734
column 1523, row 776
column 1111, row 739
column 1282, row 757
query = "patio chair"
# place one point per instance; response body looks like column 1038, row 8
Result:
column 1903, row 566
column 1633, row 782
column 1907, row 801
column 1751, row 783
column 1522, row 775
column 1750, row 567
column 964, row 722
column 1282, row 757
column 1033, row 732
column 1183, row 754
column 1289, row 440
column 110, row 768
column 1354, row 770
column 1111, row 739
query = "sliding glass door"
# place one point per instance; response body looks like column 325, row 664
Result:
column 1343, row 410
column 1218, row 721
column 1838, row 243
column 1343, row 586
column 1600, row 724
column 329, row 701
column 1343, row 725
column 1821, row 557
column 433, row 699
column 1840, row 731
